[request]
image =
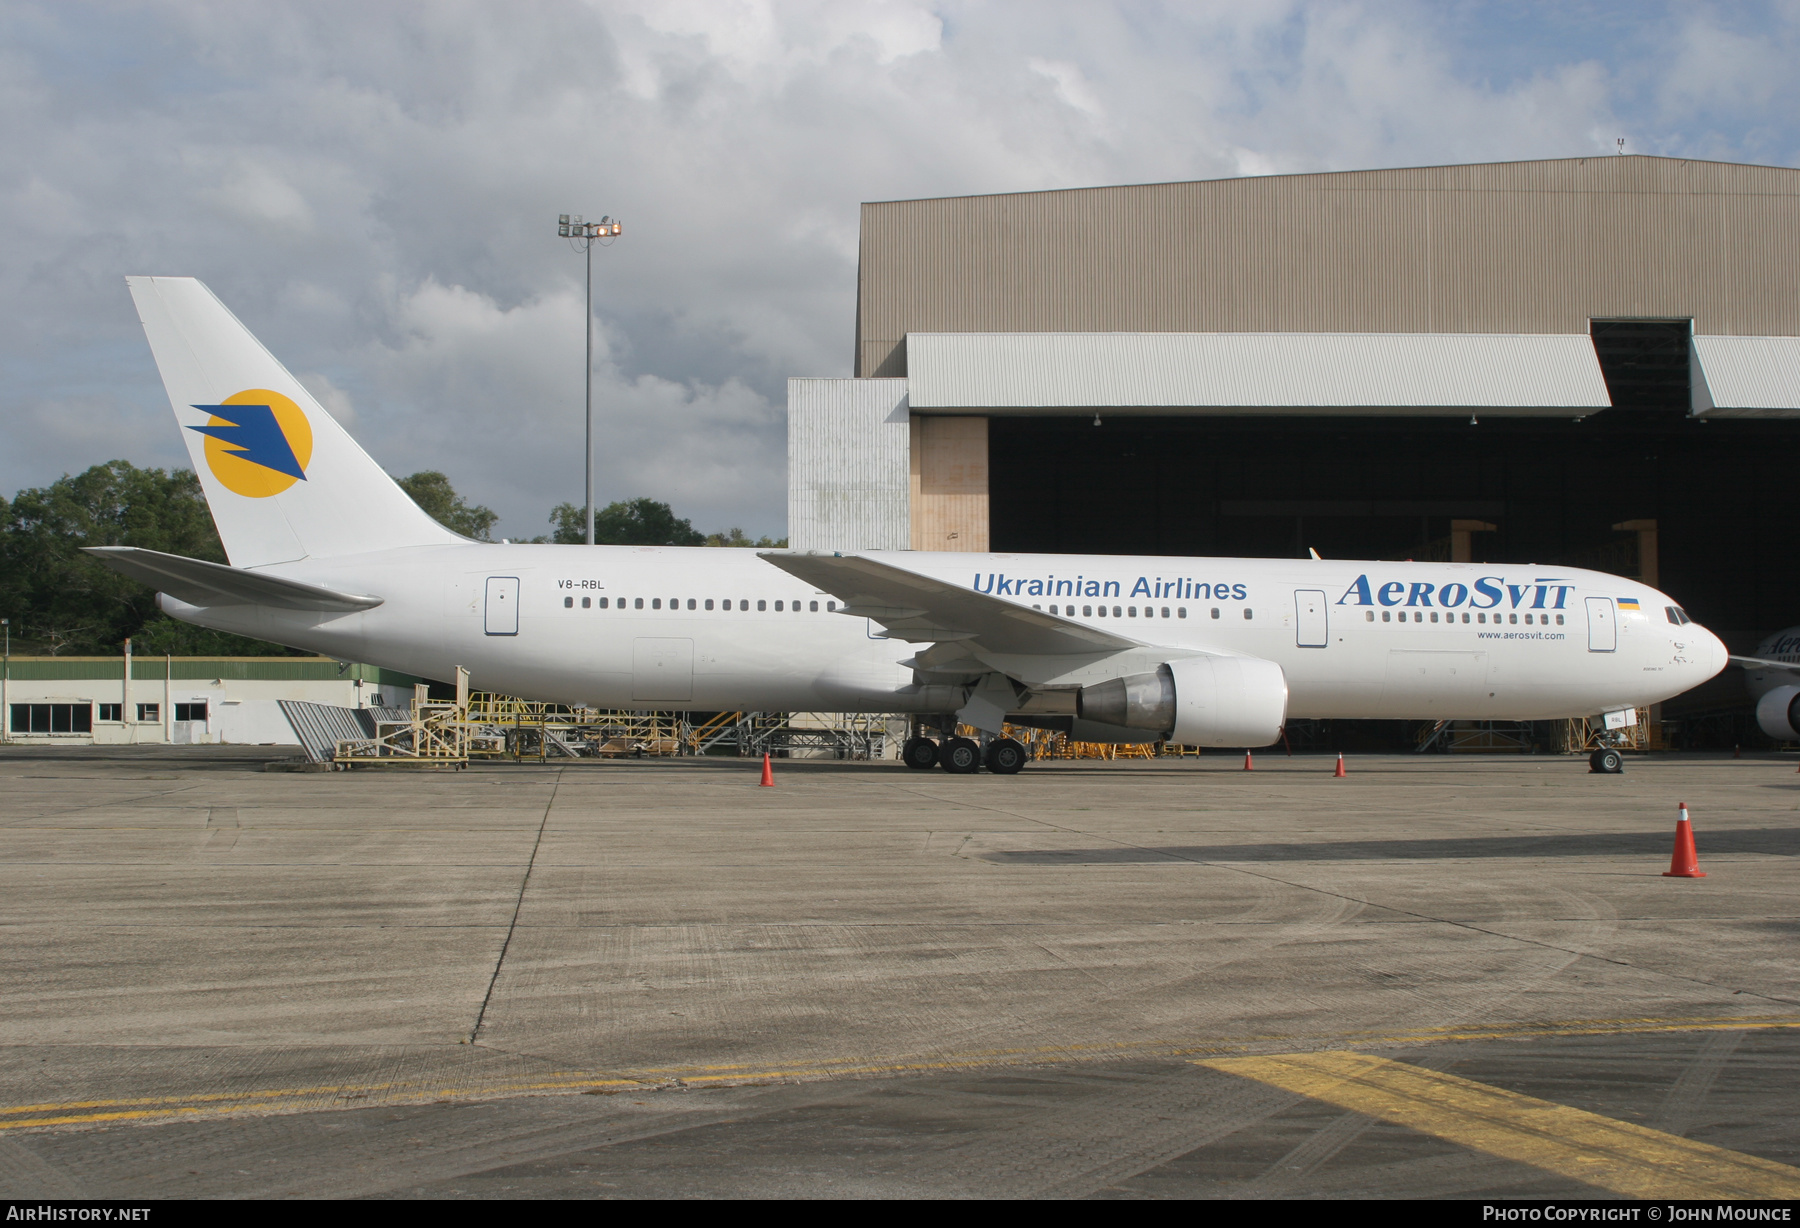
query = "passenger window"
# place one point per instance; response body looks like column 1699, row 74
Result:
column 778, row 607
column 1528, row 620
column 1087, row 611
column 1513, row 618
column 1559, row 621
column 1434, row 616
column 1115, row 611
column 603, row 603
column 1132, row 611
column 1215, row 611
column 638, row 604
column 1368, row 616
column 815, row 606
column 1385, row 616
column 1165, row 612
column 762, row 605
column 568, row 603
column 656, row 603
column 1465, row 618
column 587, row 603
column 709, row 603
column 830, row 606
column 1246, row 611
column 1181, row 611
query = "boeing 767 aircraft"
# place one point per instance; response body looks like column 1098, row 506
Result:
column 329, row 554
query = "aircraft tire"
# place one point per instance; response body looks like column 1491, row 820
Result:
column 1606, row 762
column 959, row 755
column 1005, row 757
column 919, row 753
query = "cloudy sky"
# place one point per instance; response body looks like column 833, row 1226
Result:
column 373, row 188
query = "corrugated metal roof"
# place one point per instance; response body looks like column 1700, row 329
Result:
column 1292, row 372
column 1523, row 247
column 1747, row 377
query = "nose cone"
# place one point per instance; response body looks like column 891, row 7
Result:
column 1709, row 654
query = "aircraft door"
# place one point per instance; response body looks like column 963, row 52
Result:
column 1310, row 618
column 502, row 611
column 1603, row 625
column 662, row 670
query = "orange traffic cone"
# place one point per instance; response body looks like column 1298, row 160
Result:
column 1248, row 766
column 1340, row 766
column 768, row 780
column 1685, row 863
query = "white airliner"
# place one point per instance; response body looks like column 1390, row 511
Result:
column 328, row 554
column 1773, row 681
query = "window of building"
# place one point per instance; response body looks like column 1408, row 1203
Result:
column 53, row 718
column 149, row 712
column 190, row 712
column 112, row 712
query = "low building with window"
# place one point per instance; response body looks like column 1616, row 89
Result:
column 181, row 699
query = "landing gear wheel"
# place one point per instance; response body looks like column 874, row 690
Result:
column 959, row 755
column 1606, row 762
column 1005, row 757
column 919, row 753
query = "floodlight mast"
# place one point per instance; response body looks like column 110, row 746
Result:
column 582, row 236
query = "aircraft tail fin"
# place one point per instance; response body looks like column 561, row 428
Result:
column 283, row 480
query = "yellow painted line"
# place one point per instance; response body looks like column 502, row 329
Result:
column 362, row 1095
column 1599, row 1151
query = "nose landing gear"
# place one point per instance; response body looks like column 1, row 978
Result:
column 1606, row 762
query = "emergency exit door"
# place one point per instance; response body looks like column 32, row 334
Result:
column 1603, row 625
column 1310, row 618
column 502, row 611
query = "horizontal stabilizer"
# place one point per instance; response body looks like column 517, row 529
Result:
column 200, row 583
column 923, row 609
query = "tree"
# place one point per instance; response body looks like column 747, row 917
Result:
column 62, row 601
column 737, row 537
column 636, row 522
column 435, row 496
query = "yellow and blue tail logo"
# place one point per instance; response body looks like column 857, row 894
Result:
column 258, row 443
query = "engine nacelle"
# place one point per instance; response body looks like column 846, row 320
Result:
column 1778, row 713
column 1196, row 701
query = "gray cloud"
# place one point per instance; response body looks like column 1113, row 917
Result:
column 372, row 188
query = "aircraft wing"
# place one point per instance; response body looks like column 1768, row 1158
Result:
column 922, row 609
column 1759, row 663
column 198, row 582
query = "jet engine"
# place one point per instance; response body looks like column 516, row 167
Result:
column 1195, row 701
column 1778, row 713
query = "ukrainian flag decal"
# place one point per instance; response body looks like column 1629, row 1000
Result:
column 1628, row 603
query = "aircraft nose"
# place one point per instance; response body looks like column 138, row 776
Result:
column 1712, row 655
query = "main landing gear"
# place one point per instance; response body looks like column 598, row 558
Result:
column 963, row 756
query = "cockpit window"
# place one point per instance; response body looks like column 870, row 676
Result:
column 1677, row 615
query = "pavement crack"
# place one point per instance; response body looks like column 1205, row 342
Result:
column 518, row 906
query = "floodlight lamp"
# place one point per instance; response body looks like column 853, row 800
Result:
column 577, row 219
column 563, row 230
column 562, row 219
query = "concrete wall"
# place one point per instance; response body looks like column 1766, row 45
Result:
column 239, row 709
column 848, row 460
column 1522, row 247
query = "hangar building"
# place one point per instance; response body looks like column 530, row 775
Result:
column 1587, row 361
